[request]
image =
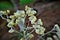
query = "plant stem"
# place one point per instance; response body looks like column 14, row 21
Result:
column 15, row 5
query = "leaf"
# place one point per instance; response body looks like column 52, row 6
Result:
column 23, row 2
column 21, row 25
column 58, row 34
column 20, row 35
column 5, row 5
column 57, row 28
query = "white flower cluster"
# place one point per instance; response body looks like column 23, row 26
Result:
column 38, row 27
column 16, row 18
column 32, row 19
column 20, row 15
column 5, row 12
column 30, row 12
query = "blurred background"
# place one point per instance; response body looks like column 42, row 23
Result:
column 10, row 4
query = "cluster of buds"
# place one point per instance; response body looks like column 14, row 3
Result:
column 5, row 12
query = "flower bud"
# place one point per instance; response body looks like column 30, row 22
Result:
column 8, row 11
column 11, row 30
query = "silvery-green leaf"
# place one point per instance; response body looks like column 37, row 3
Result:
column 58, row 30
column 21, row 26
column 58, row 34
column 57, row 27
column 23, row 20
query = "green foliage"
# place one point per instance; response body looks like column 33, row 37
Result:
column 23, row 2
column 5, row 5
column 20, row 35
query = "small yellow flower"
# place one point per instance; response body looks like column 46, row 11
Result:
column 32, row 22
column 33, row 12
column 5, row 12
column 40, row 30
column 32, row 19
column 12, row 17
column 39, row 22
column 30, row 12
column 27, row 8
column 8, row 11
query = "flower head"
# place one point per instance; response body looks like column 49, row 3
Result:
column 5, row 12
column 27, row 8
column 32, row 19
column 40, row 30
column 30, row 12
column 12, row 17
column 39, row 22
column 8, row 11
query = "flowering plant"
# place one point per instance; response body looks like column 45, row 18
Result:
column 18, row 18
